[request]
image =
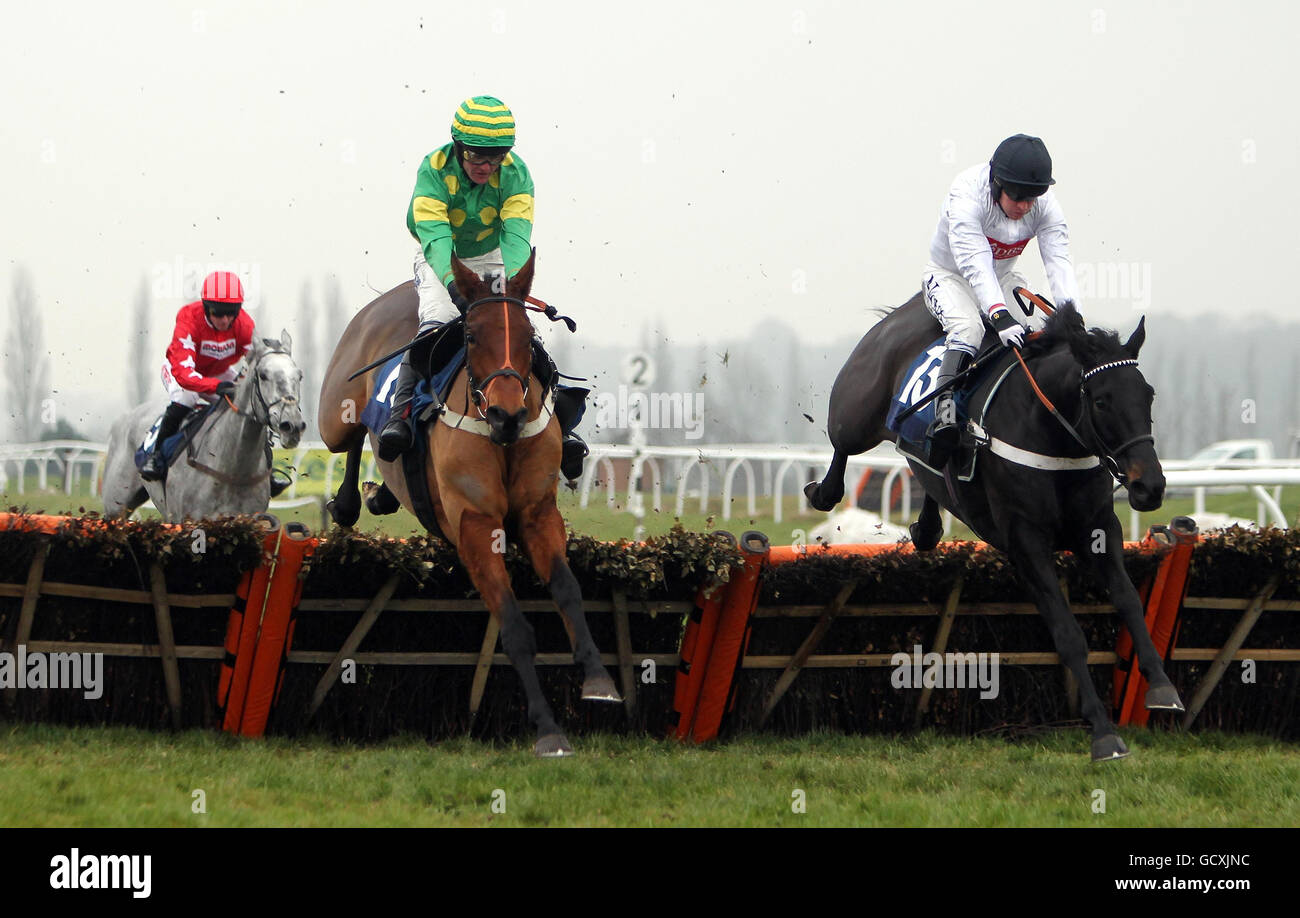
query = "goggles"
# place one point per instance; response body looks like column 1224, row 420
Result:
column 477, row 159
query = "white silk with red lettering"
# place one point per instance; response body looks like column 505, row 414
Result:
column 975, row 239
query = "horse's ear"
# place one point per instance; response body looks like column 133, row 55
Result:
column 285, row 341
column 1135, row 340
column 468, row 283
column 519, row 285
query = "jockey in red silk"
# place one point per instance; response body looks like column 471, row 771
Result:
column 473, row 197
column 211, row 335
column 991, row 212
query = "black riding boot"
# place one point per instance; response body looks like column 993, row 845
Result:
column 945, row 433
column 570, row 402
column 398, row 434
column 156, row 468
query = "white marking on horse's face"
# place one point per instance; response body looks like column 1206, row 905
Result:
column 280, row 382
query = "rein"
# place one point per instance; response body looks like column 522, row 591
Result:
column 1098, row 447
column 264, row 422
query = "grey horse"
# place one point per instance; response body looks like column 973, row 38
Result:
column 226, row 471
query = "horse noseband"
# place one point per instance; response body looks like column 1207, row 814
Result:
column 509, row 372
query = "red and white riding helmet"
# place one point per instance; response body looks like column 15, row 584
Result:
column 223, row 294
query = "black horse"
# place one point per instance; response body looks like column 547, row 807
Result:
column 1030, row 512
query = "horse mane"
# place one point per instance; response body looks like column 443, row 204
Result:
column 1065, row 328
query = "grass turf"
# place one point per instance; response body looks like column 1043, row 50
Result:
column 117, row 777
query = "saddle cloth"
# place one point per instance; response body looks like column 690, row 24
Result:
column 173, row 445
column 972, row 401
column 380, row 406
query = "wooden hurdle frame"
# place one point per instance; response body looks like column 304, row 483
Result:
column 625, row 658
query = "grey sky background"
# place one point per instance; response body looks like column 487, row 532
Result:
column 699, row 167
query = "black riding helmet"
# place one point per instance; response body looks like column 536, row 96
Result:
column 1022, row 167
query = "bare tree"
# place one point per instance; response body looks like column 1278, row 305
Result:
column 141, row 362
column 307, row 353
column 336, row 314
column 27, row 364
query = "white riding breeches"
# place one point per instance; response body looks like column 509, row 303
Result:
column 435, row 302
column 188, row 397
column 952, row 301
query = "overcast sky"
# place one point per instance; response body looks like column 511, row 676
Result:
column 699, row 166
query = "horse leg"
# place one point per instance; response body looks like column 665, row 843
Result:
column 1035, row 565
column 541, row 530
column 379, row 500
column 824, row 495
column 487, row 570
column 1108, row 567
column 928, row 526
column 345, row 507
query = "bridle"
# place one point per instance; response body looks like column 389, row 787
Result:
column 1094, row 444
column 1107, row 454
column 263, row 422
column 1097, row 446
column 478, row 388
column 265, row 419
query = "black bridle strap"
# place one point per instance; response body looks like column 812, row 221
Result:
column 477, row 390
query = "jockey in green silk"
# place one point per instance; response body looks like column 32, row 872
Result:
column 473, row 197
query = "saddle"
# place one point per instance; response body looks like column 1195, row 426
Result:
column 444, row 360
column 971, row 399
column 178, row 442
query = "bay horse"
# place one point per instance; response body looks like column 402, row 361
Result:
column 227, row 469
column 1062, row 500
column 489, row 475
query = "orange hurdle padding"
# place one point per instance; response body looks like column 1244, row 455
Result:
column 233, row 629
column 293, row 617
column 696, row 644
column 697, row 641
column 729, row 642
column 1157, row 539
column 249, row 625
column 272, row 641
column 1164, row 612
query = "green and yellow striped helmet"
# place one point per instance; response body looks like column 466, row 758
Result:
column 483, row 121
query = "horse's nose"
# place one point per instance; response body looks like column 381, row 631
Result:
column 505, row 425
column 1145, row 497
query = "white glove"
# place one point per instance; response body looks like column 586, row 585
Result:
column 1009, row 330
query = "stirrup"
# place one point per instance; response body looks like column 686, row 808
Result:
column 573, row 453
column 280, row 481
column 155, row 469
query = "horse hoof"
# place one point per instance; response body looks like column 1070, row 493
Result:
column 812, row 491
column 341, row 515
column 1163, row 698
column 600, row 688
column 378, row 499
column 554, row 746
column 1108, row 748
column 922, row 540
